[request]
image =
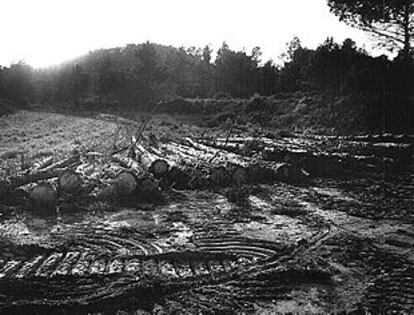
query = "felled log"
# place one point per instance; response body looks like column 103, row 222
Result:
column 149, row 191
column 69, row 182
column 126, row 188
column 125, row 184
column 43, row 199
column 220, row 176
column 51, row 171
column 13, row 198
column 17, row 181
column 289, row 173
column 177, row 177
column 321, row 165
column 199, row 166
column 387, row 137
column 43, row 163
column 122, row 187
column 151, row 162
column 134, row 167
column 240, row 175
column 226, row 168
column 65, row 163
column 245, row 148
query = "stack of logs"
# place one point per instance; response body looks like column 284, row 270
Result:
column 324, row 156
column 142, row 170
column 138, row 173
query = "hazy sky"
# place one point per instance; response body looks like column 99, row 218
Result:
column 46, row 32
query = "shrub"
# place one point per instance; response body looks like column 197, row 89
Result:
column 6, row 107
column 221, row 95
column 256, row 103
column 220, row 118
column 177, row 105
column 287, row 120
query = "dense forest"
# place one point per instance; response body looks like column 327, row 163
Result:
column 140, row 76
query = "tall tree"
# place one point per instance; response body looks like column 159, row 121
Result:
column 391, row 20
column 18, row 83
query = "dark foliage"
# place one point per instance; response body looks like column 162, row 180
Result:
column 390, row 20
column 187, row 80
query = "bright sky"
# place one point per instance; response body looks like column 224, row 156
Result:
column 47, row 32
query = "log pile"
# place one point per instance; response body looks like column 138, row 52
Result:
column 323, row 156
column 139, row 173
column 142, row 170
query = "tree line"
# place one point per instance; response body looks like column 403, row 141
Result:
column 141, row 74
column 138, row 76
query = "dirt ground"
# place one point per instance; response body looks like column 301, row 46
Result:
column 332, row 245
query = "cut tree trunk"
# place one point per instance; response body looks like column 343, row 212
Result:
column 220, row 176
column 149, row 191
column 70, row 182
column 68, row 162
column 125, row 184
column 43, row 163
column 201, row 169
column 135, row 168
column 51, row 171
column 225, row 168
column 151, row 162
column 178, row 178
column 147, row 187
column 121, row 188
column 14, row 198
column 290, row 173
column 25, row 179
column 43, row 199
column 240, row 175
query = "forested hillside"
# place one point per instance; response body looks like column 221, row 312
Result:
column 375, row 91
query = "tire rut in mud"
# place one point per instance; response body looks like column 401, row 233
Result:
column 85, row 276
column 390, row 276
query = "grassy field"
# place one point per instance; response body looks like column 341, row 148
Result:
column 35, row 134
column 27, row 135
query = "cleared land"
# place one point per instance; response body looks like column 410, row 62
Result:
column 341, row 241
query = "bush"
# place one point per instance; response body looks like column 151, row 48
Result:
column 220, row 118
column 256, row 103
column 287, row 120
column 6, row 107
column 221, row 95
column 177, row 105
column 302, row 108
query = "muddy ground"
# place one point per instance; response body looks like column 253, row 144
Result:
column 330, row 245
